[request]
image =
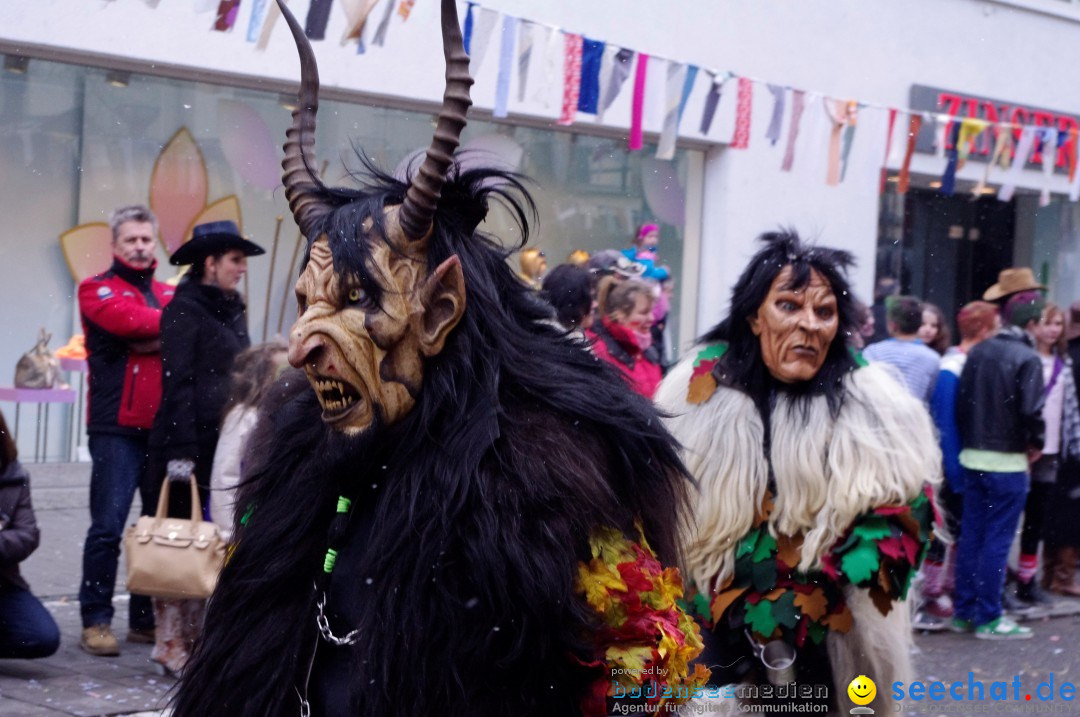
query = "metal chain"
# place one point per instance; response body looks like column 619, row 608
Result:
column 325, row 631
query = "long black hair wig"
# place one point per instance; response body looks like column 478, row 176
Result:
column 742, row 364
column 470, row 515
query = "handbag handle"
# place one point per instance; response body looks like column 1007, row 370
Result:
column 163, row 501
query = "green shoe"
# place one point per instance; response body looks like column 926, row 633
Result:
column 959, row 624
column 1002, row 629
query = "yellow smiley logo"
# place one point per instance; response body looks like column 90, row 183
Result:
column 862, row 690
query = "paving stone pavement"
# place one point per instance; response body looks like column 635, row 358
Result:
column 72, row 682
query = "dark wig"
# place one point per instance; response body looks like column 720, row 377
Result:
column 742, row 365
column 457, row 566
column 568, row 289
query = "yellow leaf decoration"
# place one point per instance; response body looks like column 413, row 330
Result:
column 87, row 249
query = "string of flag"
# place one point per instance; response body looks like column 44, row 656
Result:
column 594, row 73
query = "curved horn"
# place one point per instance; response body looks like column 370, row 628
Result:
column 418, row 210
column 299, row 177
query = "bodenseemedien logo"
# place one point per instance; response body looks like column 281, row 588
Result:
column 862, row 692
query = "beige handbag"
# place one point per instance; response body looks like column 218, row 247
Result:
column 174, row 557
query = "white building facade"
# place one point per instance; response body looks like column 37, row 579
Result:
column 93, row 92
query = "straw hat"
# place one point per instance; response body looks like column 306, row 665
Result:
column 1011, row 281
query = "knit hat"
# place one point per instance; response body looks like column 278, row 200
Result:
column 1023, row 307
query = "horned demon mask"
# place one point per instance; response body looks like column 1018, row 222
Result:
column 364, row 355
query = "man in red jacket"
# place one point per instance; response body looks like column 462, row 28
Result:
column 121, row 316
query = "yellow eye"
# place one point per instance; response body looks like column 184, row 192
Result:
column 354, row 295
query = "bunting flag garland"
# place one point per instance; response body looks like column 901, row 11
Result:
column 712, row 101
column 506, row 60
column 836, row 111
column 914, row 125
column 687, row 88
column 1049, row 156
column 226, row 15
column 779, row 94
column 638, row 106
column 1070, row 152
column 467, row 26
column 273, row 12
column 970, row 129
column 798, row 100
column 592, row 53
column 525, row 52
column 741, row 138
column 888, row 149
column 849, row 137
column 357, row 12
column 405, row 8
column 317, row 17
column 1074, row 175
column 1000, row 155
column 676, row 77
column 384, row 24
column 948, row 179
column 621, row 63
column 483, row 28
column 258, row 14
column 571, row 78
column 551, row 64
column 1023, row 151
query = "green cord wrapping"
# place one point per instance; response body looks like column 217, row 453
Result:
column 247, row 514
column 343, row 504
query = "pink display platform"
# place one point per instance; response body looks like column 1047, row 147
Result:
column 38, row 395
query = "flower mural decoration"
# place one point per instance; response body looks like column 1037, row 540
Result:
column 177, row 195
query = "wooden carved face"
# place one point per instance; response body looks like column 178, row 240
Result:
column 364, row 359
column 796, row 326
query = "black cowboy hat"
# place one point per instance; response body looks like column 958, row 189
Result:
column 212, row 238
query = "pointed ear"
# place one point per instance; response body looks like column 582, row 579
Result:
column 444, row 304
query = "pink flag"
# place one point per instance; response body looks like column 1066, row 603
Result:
column 636, row 138
column 571, row 78
column 741, row 140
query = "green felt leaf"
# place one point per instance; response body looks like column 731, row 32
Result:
column 847, row 544
column 873, row 528
column 816, row 631
column 760, row 618
column 763, row 575
column 861, row 562
column 766, row 544
column 710, row 353
column 784, row 610
column 746, row 545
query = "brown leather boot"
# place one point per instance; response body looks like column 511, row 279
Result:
column 1049, row 564
column 1064, row 578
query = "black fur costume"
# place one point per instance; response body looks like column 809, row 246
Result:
column 470, row 515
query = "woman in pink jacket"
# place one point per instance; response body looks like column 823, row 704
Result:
column 622, row 335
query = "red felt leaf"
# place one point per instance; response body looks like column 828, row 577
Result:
column 891, row 547
column 911, row 547
column 636, row 581
column 891, row 510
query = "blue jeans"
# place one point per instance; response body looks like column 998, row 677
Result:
column 27, row 630
column 119, row 465
column 992, row 506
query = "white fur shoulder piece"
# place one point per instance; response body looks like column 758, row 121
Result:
column 880, row 450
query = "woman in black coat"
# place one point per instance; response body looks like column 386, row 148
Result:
column 26, row 627
column 203, row 328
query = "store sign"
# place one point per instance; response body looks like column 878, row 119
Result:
column 959, row 105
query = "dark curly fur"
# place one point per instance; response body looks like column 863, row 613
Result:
column 470, row 515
